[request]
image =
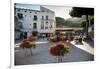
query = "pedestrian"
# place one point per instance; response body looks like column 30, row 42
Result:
column 80, row 39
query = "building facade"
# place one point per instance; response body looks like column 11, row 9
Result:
column 41, row 21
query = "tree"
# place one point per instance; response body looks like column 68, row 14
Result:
column 79, row 11
column 75, row 25
column 91, row 18
column 72, row 24
column 68, row 22
column 60, row 21
column 83, row 24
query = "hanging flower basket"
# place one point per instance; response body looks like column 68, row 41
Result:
column 59, row 50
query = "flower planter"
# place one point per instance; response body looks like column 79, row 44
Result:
column 59, row 49
column 28, row 44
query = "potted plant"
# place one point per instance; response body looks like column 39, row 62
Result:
column 59, row 50
column 28, row 43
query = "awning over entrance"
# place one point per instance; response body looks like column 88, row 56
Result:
column 66, row 29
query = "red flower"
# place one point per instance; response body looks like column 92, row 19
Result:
column 60, row 46
column 25, row 44
column 57, row 50
column 30, row 38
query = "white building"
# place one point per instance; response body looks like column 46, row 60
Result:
column 42, row 20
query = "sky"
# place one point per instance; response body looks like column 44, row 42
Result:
column 60, row 11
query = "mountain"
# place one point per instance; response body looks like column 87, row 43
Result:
column 75, row 20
